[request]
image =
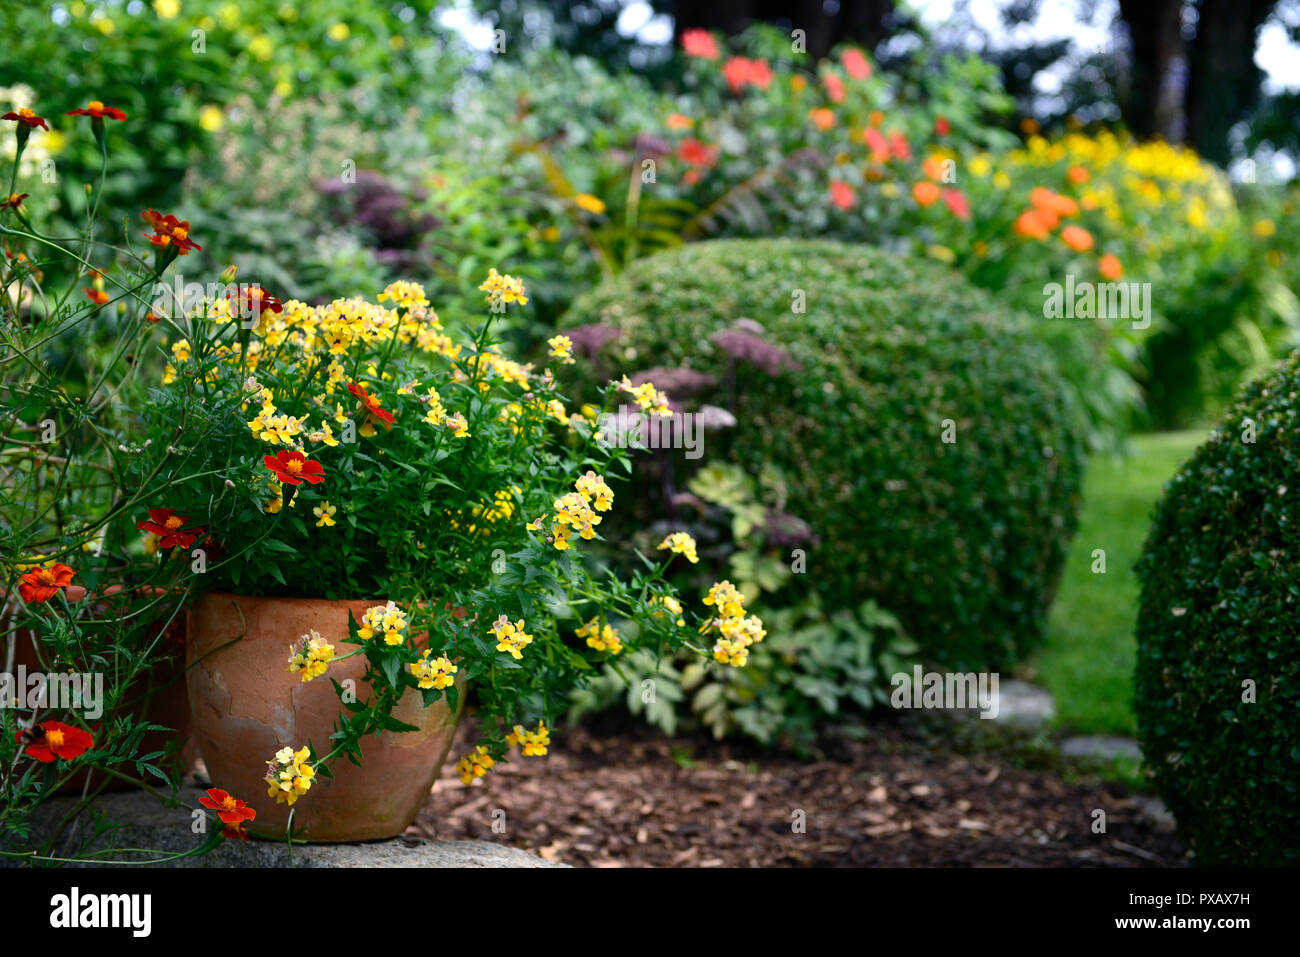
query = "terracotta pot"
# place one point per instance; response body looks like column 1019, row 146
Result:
column 247, row 706
column 158, row 696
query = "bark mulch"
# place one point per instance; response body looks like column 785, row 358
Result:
column 634, row 799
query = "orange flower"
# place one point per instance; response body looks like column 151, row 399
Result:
column 925, row 193
column 97, row 296
column 822, row 118
column 695, row 153
column 372, row 406
column 14, row 201
column 169, row 231
column 934, row 168
column 842, row 195
column 834, row 87
column 51, row 740
column 876, row 142
column 1077, row 238
column 1054, row 203
column 99, row 111
column 875, row 118
column 678, row 121
column 898, row 146
column 293, row 468
column 856, row 64
column 957, row 203
column 42, row 584
column 229, row 810
column 169, row 527
column 1077, row 175
column 1032, row 224
column 1109, row 267
column 26, row 117
column 741, row 71
column 700, row 43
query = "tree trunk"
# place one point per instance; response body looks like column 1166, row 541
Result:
column 1224, row 83
column 1156, row 42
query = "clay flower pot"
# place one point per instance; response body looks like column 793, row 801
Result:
column 158, row 696
column 247, row 706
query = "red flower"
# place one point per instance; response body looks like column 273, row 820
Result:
column 98, row 110
column 842, row 195
column 293, row 468
column 941, row 126
column 54, row 739
column 740, row 71
column 169, row 231
column 229, row 810
column 42, row 584
column 700, row 43
column 253, row 300
column 898, row 146
column 695, row 153
column 856, row 65
column 97, row 296
column 14, row 201
column 957, row 203
column 874, row 140
column 26, row 117
column 169, row 527
column 834, row 87
column 372, row 405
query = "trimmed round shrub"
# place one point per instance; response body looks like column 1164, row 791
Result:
column 1218, row 668
column 921, row 431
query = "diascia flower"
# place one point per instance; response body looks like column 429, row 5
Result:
column 232, row 812
column 169, row 527
column 291, row 467
column 310, row 656
column 42, row 584
column 51, row 740
column 679, row 543
column 289, row 775
column 436, row 673
column 98, row 111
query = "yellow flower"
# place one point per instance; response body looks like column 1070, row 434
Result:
column 167, row 9
column 594, row 491
column 679, row 543
column 511, row 637
column 388, row 620
column 438, row 673
column 338, row 32
column 561, row 348
column 671, row 604
column 727, row 599
column 325, row 513
column 503, row 289
column 310, row 656
column 1263, row 228
column 289, row 775
column 474, row 765
column 589, row 203
column 459, row 427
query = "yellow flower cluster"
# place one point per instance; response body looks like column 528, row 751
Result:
column 436, row 673
column 679, row 543
column 647, row 397
column 671, row 604
column 474, row 765
column 311, row 656
column 289, row 775
column 510, row 636
column 601, row 638
column 561, row 348
column 502, row 289
column 534, row 743
column 578, row 510
column 405, row 294
column 388, row 620
column 736, row 630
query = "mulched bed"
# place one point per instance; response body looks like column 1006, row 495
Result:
column 621, row 799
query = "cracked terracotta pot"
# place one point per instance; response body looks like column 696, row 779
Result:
column 247, row 706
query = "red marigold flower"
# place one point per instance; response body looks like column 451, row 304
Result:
column 98, row 110
column 700, row 43
column 957, row 203
column 1077, row 238
column 254, row 300
column 876, row 142
column 26, row 117
column 97, row 296
column 169, row 527
column 235, row 831
column 14, row 201
column 230, row 810
column 741, row 71
column 372, row 405
column 1109, row 267
column 695, row 153
column 925, row 193
column 941, row 126
column 293, row 468
column 856, row 64
column 42, row 584
column 51, row 740
column 842, row 195
column 169, row 231
column 898, row 146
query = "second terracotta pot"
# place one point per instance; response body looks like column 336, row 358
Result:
column 247, row 706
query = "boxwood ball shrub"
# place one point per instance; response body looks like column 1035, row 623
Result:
column 1218, row 672
column 922, row 431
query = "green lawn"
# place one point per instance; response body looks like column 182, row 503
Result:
column 1087, row 660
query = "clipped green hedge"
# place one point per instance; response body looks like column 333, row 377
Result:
column 964, row 542
column 1220, row 608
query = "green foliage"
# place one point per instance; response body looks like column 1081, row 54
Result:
column 964, row 540
column 1218, row 675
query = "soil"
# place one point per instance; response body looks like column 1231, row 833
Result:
column 631, row 798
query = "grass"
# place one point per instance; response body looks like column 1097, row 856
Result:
column 1087, row 661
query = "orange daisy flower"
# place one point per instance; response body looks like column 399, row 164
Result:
column 99, row 111
column 169, row 527
column 51, row 740
column 97, row 296
column 26, row 117
column 291, row 467
column 1077, row 238
column 372, row 406
column 42, row 584
column 1109, row 267
column 925, row 193
column 700, row 43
